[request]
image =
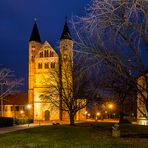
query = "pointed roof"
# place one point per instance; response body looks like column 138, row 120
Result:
column 66, row 32
column 35, row 36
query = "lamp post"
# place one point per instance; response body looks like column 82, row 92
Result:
column 29, row 106
column 98, row 115
column 110, row 107
column 86, row 114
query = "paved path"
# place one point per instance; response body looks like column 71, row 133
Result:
column 32, row 125
column 19, row 127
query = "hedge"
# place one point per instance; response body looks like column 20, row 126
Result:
column 20, row 121
column 6, row 121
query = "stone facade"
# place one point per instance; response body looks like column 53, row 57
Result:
column 141, row 84
column 43, row 61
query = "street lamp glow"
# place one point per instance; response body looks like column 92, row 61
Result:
column 106, row 112
column 85, row 112
column 29, row 106
column 98, row 113
column 21, row 111
column 88, row 115
column 110, row 106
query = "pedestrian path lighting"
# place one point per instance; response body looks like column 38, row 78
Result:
column 21, row 111
column 98, row 113
column 29, row 106
column 110, row 107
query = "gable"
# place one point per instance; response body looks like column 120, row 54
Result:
column 46, row 51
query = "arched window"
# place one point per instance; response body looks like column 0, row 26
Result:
column 46, row 54
column 39, row 65
column 52, row 64
column 46, row 65
column 41, row 54
column 51, row 54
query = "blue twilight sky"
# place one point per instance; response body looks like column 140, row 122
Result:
column 16, row 22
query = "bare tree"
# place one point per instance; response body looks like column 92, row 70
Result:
column 121, row 25
column 8, row 84
column 67, row 88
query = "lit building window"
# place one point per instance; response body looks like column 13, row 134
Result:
column 6, row 108
column 39, row 65
column 41, row 54
column 46, row 65
column 46, row 54
column 52, row 64
column 17, row 108
column 51, row 54
column 11, row 108
column 32, row 58
column 33, row 48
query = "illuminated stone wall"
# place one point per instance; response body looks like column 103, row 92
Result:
column 140, row 101
column 43, row 62
column 39, row 80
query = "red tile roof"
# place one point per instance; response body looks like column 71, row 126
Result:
column 16, row 99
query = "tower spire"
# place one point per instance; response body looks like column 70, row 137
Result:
column 66, row 33
column 35, row 36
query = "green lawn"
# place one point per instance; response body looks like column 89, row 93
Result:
column 84, row 135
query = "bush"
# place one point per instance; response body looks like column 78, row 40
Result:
column 23, row 121
column 6, row 121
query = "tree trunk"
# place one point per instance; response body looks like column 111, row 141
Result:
column 72, row 118
column 121, row 113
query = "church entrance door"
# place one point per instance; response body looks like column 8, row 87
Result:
column 47, row 115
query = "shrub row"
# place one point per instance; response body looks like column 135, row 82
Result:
column 6, row 121
column 23, row 121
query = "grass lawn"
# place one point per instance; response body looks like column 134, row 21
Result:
column 83, row 135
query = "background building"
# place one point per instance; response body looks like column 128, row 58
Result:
column 142, row 114
column 15, row 105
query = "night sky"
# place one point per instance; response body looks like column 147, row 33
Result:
column 16, row 22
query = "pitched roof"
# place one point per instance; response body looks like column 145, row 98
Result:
column 35, row 36
column 66, row 32
column 16, row 99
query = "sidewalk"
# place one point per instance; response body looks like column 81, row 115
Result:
column 9, row 129
column 4, row 130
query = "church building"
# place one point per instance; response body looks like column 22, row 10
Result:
column 42, row 60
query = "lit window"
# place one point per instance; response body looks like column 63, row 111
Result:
column 11, row 108
column 51, row 54
column 17, row 108
column 52, row 64
column 32, row 58
column 46, row 65
column 41, row 54
column 33, row 48
column 6, row 108
column 39, row 65
column 46, row 53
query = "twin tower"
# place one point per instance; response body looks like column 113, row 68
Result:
column 42, row 60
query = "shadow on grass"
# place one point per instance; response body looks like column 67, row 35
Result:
column 135, row 136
